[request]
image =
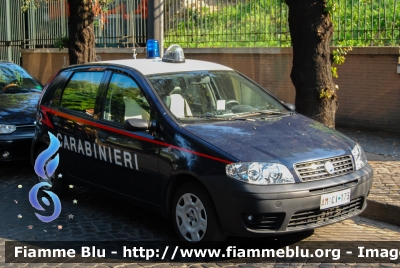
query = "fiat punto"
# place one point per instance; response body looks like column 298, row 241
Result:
column 201, row 144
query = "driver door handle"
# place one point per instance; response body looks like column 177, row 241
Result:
column 102, row 135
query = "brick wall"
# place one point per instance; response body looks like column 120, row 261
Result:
column 270, row 70
column 369, row 92
column 45, row 63
column 369, row 95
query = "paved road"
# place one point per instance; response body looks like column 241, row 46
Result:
column 383, row 153
column 386, row 186
column 383, row 146
column 101, row 217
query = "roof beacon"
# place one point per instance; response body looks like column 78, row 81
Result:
column 152, row 49
column 174, row 54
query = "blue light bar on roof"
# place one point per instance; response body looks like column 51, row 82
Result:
column 152, row 49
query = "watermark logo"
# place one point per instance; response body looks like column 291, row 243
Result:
column 45, row 166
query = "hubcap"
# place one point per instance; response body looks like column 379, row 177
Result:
column 191, row 217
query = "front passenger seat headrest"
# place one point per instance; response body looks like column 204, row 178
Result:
column 176, row 90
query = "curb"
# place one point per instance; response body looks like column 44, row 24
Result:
column 382, row 212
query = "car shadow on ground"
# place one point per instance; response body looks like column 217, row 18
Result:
column 94, row 216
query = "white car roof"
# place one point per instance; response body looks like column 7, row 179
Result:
column 156, row 66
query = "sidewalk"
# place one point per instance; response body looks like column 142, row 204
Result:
column 383, row 154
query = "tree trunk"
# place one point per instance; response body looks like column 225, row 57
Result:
column 311, row 31
column 81, row 34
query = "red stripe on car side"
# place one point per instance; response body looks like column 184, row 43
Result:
column 125, row 133
column 46, row 120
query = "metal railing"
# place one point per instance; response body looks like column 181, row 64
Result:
column 367, row 23
column 11, row 30
column 120, row 24
column 197, row 23
column 115, row 28
column 46, row 25
column 264, row 23
column 226, row 23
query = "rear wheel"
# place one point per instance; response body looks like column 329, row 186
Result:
column 57, row 185
column 193, row 215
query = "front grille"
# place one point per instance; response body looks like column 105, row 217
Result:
column 315, row 170
column 265, row 221
column 317, row 216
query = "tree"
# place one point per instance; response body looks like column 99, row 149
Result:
column 81, row 35
column 311, row 31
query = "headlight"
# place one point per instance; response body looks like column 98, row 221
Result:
column 359, row 156
column 260, row 173
column 6, row 129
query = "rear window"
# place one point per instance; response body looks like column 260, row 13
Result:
column 80, row 93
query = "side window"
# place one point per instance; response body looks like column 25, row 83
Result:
column 125, row 100
column 55, row 101
column 53, row 94
column 81, row 91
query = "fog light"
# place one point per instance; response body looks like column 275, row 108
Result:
column 250, row 218
column 6, row 154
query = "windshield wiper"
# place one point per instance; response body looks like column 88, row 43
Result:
column 208, row 116
column 272, row 112
column 245, row 114
column 268, row 112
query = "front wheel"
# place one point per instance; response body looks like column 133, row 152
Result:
column 58, row 186
column 193, row 215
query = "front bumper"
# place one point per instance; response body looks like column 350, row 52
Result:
column 279, row 209
column 16, row 145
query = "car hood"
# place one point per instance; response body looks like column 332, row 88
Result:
column 288, row 139
column 18, row 108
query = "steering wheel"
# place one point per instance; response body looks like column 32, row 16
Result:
column 10, row 85
column 230, row 103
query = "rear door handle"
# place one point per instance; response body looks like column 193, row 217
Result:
column 102, row 135
column 56, row 120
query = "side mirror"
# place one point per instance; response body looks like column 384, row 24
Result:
column 136, row 124
column 290, row 106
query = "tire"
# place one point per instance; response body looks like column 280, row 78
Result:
column 58, row 186
column 193, row 215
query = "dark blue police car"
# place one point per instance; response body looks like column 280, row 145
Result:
column 201, row 144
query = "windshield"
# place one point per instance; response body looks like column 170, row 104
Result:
column 213, row 94
column 14, row 79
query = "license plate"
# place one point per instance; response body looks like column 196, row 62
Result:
column 335, row 199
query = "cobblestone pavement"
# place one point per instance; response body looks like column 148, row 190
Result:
column 383, row 153
column 386, row 184
column 99, row 217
